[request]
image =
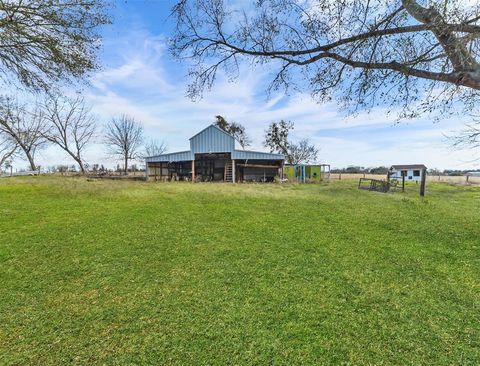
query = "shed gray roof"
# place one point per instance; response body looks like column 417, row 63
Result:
column 408, row 166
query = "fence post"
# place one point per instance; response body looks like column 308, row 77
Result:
column 422, row 185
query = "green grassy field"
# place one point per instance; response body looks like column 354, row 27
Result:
column 122, row 273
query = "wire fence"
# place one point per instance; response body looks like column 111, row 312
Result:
column 460, row 180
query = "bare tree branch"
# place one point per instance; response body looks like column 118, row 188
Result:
column 71, row 125
column 154, row 148
column 123, row 137
column 47, row 41
column 364, row 53
column 8, row 148
column 235, row 129
column 23, row 126
column 469, row 137
column 278, row 140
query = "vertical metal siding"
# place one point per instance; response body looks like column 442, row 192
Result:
column 212, row 140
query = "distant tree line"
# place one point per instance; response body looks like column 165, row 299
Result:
column 353, row 169
column 68, row 123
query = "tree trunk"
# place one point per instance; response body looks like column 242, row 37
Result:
column 75, row 157
column 80, row 165
column 461, row 58
column 30, row 160
column 126, row 166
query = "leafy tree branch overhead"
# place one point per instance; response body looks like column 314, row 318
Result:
column 45, row 41
column 419, row 55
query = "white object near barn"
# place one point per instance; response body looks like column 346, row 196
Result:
column 411, row 172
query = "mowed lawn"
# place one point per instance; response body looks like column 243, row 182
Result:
column 121, row 273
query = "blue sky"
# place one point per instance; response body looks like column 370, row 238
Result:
column 140, row 78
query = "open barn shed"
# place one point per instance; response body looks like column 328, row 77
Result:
column 213, row 157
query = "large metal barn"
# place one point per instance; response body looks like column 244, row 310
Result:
column 213, row 157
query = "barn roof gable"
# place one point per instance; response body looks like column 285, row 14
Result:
column 216, row 130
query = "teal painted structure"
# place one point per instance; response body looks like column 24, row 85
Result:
column 304, row 173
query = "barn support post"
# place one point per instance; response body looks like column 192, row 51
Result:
column 146, row 170
column 280, row 171
column 193, row 171
column 233, row 170
column 424, row 180
column 403, row 182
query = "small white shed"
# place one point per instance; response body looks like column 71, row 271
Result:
column 411, row 172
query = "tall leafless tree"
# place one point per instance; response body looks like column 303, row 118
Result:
column 124, row 137
column 43, row 41
column 24, row 127
column 302, row 152
column 154, row 147
column 70, row 125
column 396, row 53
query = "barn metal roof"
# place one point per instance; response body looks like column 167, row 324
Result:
column 210, row 128
column 255, row 155
column 213, row 140
column 171, row 157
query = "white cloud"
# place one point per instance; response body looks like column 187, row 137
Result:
column 141, row 80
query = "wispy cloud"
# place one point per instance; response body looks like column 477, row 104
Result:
column 142, row 80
